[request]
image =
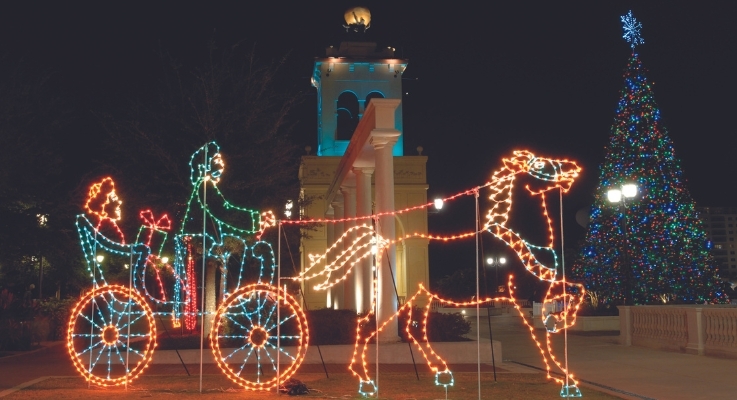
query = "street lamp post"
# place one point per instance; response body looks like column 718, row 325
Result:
column 42, row 219
column 496, row 262
column 620, row 196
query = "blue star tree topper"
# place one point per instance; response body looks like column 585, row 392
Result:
column 632, row 30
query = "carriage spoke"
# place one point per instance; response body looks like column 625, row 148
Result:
column 282, row 322
column 242, row 305
column 273, row 363
column 237, row 350
column 260, row 306
column 237, row 315
column 230, row 318
column 106, row 346
column 131, row 322
column 99, row 312
column 245, row 361
column 90, row 348
column 130, row 349
column 91, row 321
column 281, row 350
column 102, row 350
column 109, row 362
column 271, row 313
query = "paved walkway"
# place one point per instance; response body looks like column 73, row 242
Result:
column 598, row 361
column 630, row 372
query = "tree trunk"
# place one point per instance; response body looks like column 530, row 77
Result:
column 210, row 295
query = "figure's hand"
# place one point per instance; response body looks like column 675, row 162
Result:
column 267, row 221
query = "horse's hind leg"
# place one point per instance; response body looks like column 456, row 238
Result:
column 443, row 375
column 569, row 385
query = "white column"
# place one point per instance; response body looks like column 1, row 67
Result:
column 330, row 239
column 387, row 270
column 349, row 212
column 363, row 273
column 338, row 230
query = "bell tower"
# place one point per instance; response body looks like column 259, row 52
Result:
column 346, row 79
column 359, row 175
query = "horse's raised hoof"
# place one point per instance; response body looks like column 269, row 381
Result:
column 444, row 378
column 550, row 323
column 367, row 388
column 570, row 391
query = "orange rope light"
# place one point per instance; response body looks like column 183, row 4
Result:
column 100, row 198
column 97, row 335
column 553, row 173
column 555, row 322
column 245, row 334
column 443, row 375
column 247, row 320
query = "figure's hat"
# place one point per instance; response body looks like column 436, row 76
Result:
column 200, row 162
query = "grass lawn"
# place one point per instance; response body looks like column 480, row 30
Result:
column 401, row 386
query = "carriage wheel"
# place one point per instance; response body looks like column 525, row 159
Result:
column 111, row 335
column 244, row 336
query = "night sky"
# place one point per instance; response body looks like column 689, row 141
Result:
column 543, row 76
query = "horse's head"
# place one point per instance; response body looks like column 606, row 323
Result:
column 556, row 173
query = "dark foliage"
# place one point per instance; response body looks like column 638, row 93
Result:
column 226, row 95
column 603, row 310
column 458, row 285
column 34, row 122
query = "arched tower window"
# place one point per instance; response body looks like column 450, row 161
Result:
column 372, row 95
column 347, row 109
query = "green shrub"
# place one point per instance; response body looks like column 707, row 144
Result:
column 328, row 326
column 15, row 334
column 57, row 313
column 440, row 327
column 15, row 322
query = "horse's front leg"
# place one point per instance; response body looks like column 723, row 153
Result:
column 524, row 253
column 510, row 287
column 366, row 385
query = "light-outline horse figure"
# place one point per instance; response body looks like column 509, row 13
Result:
column 559, row 174
column 555, row 174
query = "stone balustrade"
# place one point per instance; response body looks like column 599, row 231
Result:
column 694, row 329
column 437, row 304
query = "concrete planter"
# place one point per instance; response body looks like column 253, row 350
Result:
column 394, row 353
column 591, row 323
column 471, row 311
column 588, row 324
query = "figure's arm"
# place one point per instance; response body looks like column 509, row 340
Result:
column 94, row 243
column 251, row 219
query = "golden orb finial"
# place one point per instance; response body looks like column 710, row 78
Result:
column 357, row 18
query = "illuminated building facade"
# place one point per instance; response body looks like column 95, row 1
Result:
column 360, row 170
column 720, row 224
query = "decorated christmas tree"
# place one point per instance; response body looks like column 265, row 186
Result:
column 645, row 243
